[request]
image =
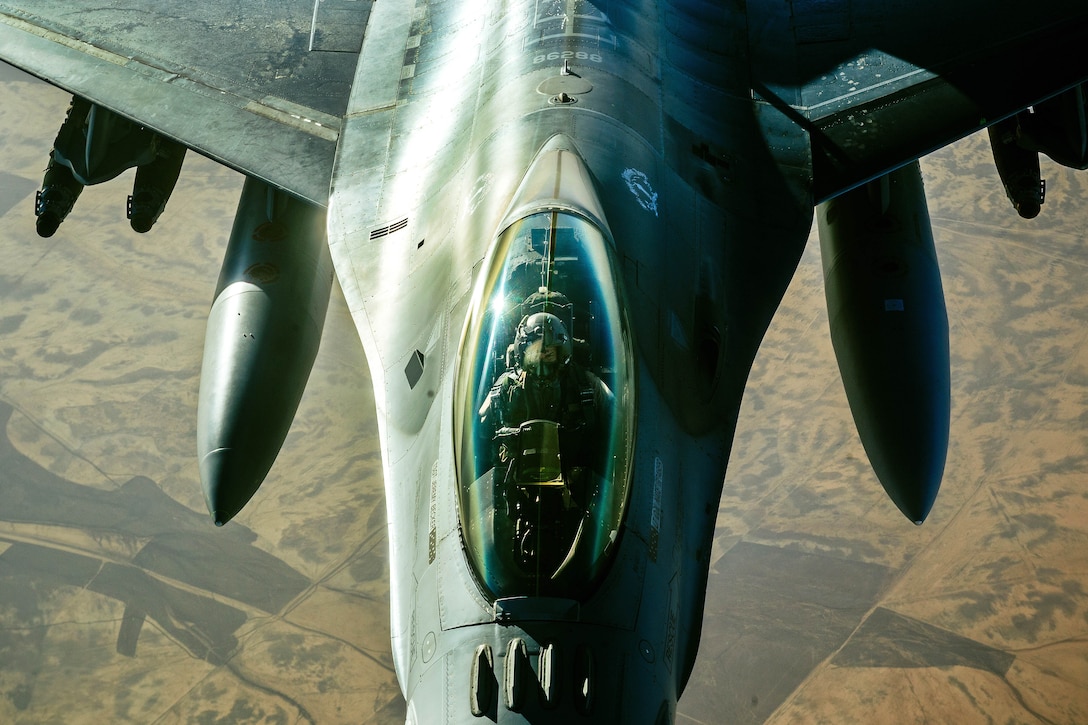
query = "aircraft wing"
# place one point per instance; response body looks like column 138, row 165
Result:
column 879, row 83
column 263, row 87
column 258, row 86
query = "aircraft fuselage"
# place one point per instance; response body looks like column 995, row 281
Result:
column 688, row 236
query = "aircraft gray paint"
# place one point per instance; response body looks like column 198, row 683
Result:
column 644, row 173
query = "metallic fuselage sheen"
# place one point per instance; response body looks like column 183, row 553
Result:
column 607, row 194
column 483, row 88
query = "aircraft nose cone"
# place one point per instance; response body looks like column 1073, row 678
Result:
column 228, row 482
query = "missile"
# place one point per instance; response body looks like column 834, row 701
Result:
column 889, row 328
column 95, row 145
column 262, row 338
column 1057, row 127
column 1018, row 168
column 154, row 183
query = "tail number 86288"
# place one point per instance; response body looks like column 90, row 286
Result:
column 567, row 55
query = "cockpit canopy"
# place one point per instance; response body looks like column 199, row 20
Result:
column 546, row 421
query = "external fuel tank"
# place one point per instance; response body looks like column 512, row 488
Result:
column 889, row 327
column 262, row 338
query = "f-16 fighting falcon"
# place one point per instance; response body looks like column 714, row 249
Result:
column 562, row 228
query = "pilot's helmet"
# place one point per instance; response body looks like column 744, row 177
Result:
column 544, row 344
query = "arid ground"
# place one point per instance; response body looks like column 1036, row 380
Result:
column 120, row 602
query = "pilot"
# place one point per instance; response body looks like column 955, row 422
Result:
column 96, row 145
column 544, row 383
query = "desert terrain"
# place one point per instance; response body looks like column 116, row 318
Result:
column 120, row 602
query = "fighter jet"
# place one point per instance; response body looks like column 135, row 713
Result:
column 562, row 228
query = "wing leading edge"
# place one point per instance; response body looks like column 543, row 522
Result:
column 875, row 84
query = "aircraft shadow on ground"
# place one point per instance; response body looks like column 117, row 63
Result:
column 179, row 577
